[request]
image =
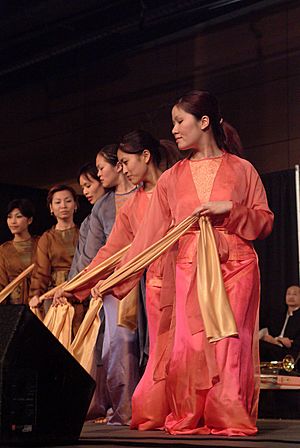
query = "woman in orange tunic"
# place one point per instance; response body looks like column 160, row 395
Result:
column 17, row 254
column 210, row 388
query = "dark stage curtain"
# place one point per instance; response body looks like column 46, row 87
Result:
column 43, row 219
column 278, row 254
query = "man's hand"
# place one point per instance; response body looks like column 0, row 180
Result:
column 285, row 341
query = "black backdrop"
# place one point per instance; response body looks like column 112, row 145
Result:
column 278, row 254
column 43, row 219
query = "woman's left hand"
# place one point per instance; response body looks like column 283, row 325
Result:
column 214, row 208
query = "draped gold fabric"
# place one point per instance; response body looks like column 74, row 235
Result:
column 14, row 283
column 58, row 320
column 216, row 312
column 83, row 345
column 102, row 269
column 38, row 312
column 128, row 308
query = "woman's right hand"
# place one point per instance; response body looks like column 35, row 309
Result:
column 61, row 296
column 95, row 293
column 34, row 302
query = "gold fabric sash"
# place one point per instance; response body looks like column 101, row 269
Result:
column 127, row 310
column 216, row 312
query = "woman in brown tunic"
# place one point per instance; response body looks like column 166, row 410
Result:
column 18, row 253
column 56, row 248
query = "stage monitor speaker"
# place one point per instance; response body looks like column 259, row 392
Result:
column 44, row 392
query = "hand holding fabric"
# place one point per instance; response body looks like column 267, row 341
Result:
column 95, row 293
column 60, row 297
column 214, row 208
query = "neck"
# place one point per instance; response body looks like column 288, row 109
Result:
column 207, row 148
column 24, row 236
column 292, row 308
column 123, row 186
column 64, row 224
column 151, row 178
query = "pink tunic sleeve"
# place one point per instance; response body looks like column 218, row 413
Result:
column 154, row 226
column 253, row 219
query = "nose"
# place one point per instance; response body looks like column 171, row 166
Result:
column 125, row 169
column 174, row 129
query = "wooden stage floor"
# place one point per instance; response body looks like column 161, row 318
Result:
column 272, row 433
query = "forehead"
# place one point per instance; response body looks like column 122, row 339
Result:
column 177, row 111
column 86, row 178
column 294, row 289
column 15, row 211
column 100, row 159
column 126, row 155
column 64, row 194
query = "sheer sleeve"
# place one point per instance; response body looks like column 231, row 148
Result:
column 41, row 275
column 253, row 219
column 154, row 226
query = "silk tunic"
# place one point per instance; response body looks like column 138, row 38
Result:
column 14, row 258
column 54, row 255
column 209, row 387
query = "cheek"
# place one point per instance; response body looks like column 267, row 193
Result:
column 107, row 172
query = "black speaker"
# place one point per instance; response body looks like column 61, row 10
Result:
column 44, row 392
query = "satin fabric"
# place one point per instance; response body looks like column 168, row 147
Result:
column 201, row 387
column 59, row 321
column 8, row 289
column 13, row 261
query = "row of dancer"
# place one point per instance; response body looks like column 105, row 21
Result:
column 123, row 351
column 190, row 385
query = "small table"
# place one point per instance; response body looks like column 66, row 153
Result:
column 279, row 396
